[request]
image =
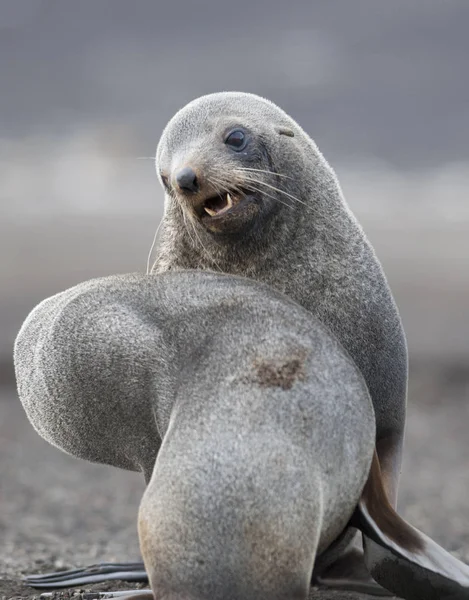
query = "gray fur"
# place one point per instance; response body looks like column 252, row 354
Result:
column 263, row 425
column 314, row 251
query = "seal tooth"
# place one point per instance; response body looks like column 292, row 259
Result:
column 210, row 212
column 229, row 201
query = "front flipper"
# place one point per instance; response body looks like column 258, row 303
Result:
column 92, row 574
column 401, row 558
column 121, row 594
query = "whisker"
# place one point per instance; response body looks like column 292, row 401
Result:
column 187, row 228
column 207, row 254
column 272, row 187
column 217, row 184
column 190, row 225
column 263, row 171
column 254, row 189
column 224, row 185
column 153, row 247
column 217, row 181
column 249, row 187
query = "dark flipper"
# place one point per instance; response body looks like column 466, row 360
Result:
column 349, row 573
column 389, row 452
column 128, row 595
column 92, row 574
column 121, row 594
column 401, row 558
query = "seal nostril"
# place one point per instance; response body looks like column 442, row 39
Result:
column 187, row 180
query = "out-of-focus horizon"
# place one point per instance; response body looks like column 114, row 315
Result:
column 87, row 87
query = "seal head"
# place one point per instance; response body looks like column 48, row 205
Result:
column 217, row 160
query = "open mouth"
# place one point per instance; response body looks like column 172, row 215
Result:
column 227, row 210
column 220, row 205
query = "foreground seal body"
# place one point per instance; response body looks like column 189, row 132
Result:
column 261, row 425
column 249, row 193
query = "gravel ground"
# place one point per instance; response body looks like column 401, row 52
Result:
column 60, row 512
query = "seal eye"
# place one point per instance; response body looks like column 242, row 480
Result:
column 236, row 139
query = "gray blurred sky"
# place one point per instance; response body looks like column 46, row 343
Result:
column 87, row 86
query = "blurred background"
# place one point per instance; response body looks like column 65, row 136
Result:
column 87, row 87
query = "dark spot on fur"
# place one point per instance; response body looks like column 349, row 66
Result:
column 279, row 373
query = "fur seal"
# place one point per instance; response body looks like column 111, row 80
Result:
column 252, row 425
column 249, row 193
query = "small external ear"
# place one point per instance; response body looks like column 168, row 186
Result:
column 285, row 131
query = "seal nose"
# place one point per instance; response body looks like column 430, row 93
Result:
column 187, row 180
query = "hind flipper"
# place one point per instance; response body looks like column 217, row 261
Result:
column 349, row 573
column 93, row 574
column 401, row 558
column 121, row 594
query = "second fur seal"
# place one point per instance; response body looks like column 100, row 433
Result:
column 249, row 193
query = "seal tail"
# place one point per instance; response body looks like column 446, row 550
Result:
column 399, row 556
